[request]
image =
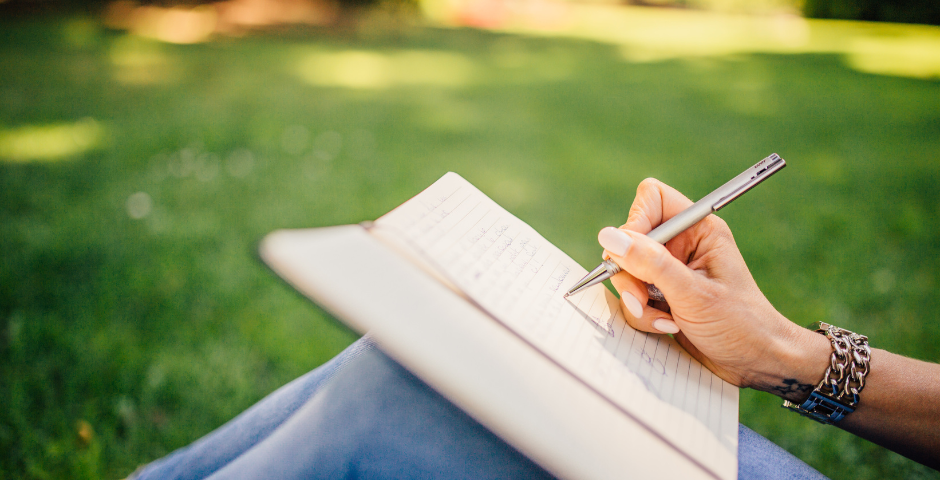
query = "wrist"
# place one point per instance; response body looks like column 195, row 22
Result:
column 796, row 362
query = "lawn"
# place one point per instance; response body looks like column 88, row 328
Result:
column 136, row 178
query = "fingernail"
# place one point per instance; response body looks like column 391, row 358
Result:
column 614, row 240
column 632, row 304
column 665, row 326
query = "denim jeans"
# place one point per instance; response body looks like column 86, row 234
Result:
column 361, row 415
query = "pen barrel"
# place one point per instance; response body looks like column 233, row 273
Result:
column 718, row 199
column 682, row 221
column 708, row 204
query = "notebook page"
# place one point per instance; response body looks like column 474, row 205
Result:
column 519, row 278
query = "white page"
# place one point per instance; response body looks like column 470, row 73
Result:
column 477, row 363
column 519, row 278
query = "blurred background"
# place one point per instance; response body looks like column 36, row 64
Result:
column 145, row 149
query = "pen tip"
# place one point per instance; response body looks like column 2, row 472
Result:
column 566, row 295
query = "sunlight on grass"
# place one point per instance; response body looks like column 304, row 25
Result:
column 177, row 24
column 906, row 56
column 130, row 271
column 173, row 24
column 655, row 34
column 140, row 61
column 363, row 69
column 50, row 142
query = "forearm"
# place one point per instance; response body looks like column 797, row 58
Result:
column 898, row 408
column 725, row 322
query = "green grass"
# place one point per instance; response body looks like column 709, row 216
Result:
column 155, row 330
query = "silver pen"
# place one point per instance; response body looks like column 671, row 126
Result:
column 708, row 204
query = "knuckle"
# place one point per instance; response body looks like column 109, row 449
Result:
column 718, row 227
column 644, row 208
column 632, row 321
column 637, row 210
column 656, row 261
column 648, row 183
column 716, row 222
column 660, row 259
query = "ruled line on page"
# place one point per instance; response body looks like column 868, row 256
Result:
column 519, row 278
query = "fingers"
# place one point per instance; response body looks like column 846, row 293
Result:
column 633, row 296
column 647, row 261
column 633, row 292
column 655, row 203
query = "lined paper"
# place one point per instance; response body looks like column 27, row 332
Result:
column 519, row 278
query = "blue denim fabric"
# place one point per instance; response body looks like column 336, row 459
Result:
column 217, row 449
column 361, row 415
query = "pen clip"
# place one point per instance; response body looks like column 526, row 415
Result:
column 762, row 171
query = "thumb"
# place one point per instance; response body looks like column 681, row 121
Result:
column 647, row 260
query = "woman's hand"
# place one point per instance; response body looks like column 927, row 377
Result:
column 717, row 312
column 720, row 316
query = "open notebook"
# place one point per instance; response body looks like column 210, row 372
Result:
column 470, row 299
